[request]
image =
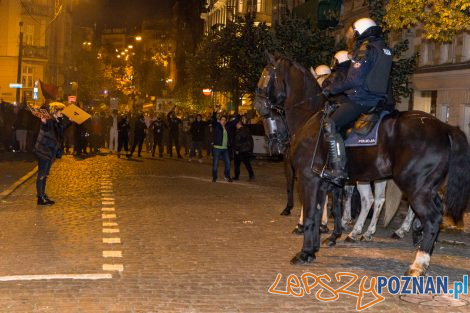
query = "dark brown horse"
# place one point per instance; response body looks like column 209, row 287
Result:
column 415, row 149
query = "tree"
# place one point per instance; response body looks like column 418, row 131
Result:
column 440, row 19
column 89, row 74
column 295, row 39
column 230, row 59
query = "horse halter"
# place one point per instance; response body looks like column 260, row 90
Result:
column 272, row 112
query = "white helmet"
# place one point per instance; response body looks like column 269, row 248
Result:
column 363, row 24
column 322, row 70
column 341, row 56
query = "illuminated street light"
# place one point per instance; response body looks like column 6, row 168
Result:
column 138, row 38
column 130, row 46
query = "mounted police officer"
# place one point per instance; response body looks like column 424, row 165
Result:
column 365, row 86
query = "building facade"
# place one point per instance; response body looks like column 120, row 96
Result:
column 46, row 33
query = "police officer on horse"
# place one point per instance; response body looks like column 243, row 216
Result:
column 365, row 86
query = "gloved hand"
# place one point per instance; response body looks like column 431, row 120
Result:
column 326, row 93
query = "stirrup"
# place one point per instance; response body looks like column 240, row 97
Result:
column 336, row 180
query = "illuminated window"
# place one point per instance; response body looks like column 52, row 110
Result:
column 27, row 77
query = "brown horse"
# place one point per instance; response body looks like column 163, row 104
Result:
column 415, row 149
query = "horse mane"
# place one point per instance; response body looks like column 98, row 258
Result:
column 313, row 90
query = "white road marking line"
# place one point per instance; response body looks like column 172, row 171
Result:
column 111, row 240
column 56, row 276
column 113, row 267
column 108, row 215
column 109, row 224
column 107, row 209
column 112, row 254
column 110, row 230
column 107, row 202
column 107, row 199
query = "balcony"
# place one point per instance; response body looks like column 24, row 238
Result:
column 35, row 9
column 33, row 52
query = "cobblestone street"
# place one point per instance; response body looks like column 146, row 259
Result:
column 156, row 235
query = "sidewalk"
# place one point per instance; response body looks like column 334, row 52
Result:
column 14, row 166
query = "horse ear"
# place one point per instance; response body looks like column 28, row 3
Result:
column 269, row 57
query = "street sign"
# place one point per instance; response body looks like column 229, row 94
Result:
column 72, row 99
column 15, row 85
column 35, row 93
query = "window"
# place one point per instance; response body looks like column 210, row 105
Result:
column 260, row 6
column 28, row 35
column 27, row 77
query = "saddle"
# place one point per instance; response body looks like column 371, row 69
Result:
column 365, row 129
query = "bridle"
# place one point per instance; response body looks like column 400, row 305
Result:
column 273, row 112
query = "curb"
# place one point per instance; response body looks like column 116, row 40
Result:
column 18, row 183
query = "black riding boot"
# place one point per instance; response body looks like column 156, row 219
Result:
column 335, row 171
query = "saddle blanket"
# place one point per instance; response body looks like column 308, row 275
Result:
column 370, row 139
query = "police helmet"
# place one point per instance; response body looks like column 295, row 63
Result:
column 362, row 24
column 322, row 70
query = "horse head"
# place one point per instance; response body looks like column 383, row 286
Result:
column 286, row 96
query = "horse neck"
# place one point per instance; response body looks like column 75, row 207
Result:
column 304, row 97
column 301, row 107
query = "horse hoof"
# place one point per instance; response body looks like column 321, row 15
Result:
column 302, row 258
column 328, row 242
column 298, row 230
column 349, row 239
column 395, row 236
column 286, row 211
column 324, row 229
column 414, row 272
column 366, row 237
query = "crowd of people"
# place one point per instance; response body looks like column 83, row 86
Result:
column 192, row 137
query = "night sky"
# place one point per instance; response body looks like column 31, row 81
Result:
column 118, row 13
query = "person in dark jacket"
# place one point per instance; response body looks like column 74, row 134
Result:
column 243, row 150
column 197, row 130
column 173, row 126
column 139, row 135
column 158, row 128
column 366, row 86
column 220, row 131
column 47, row 149
column 123, row 135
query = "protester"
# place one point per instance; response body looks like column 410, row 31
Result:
column 158, row 129
column 123, row 135
column 243, row 151
column 221, row 130
column 139, row 135
column 197, row 131
column 173, row 138
column 47, row 149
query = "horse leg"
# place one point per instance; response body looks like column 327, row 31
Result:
column 429, row 210
column 346, row 219
column 379, row 190
column 336, row 212
column 290, row 178
column 366, row 202
column 405, row 227
column 299, row 229
column 324, row 218
column 313, row 198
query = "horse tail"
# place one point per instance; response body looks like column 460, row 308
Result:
column 458, row 178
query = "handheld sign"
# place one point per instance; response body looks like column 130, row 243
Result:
column 75, row 114
column 41, row 113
